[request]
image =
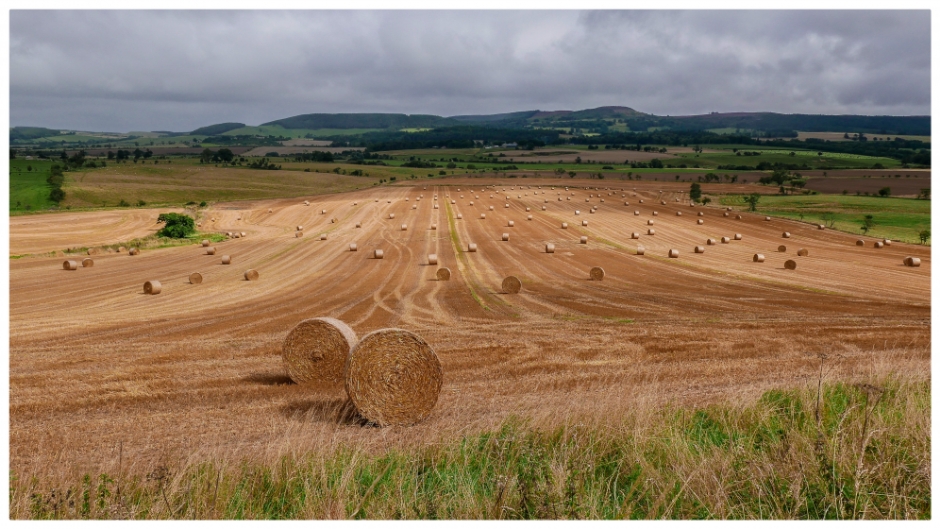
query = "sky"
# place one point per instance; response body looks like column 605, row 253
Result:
column 123, row 71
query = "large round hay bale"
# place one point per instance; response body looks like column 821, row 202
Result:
column 529, row 217
column 636, row 212
column 511, row 224
column 432, row 258
column 597, row 274
column 701, row 214
column 296, row 234
column 195, row 278
column 471, row 247
column 300, row 228
column 725, row 240
column 640, row 250
column 391, row 215
column 802, row 252
column 635, row 235
column 492, row 208
column 564, row 225
column 766, row 218
column 860, row 242
column 244, row 234
column 70, row 265
column 786, row 235
column 133, row 251
column 353, row 247
column 512, row 285
column 673, row 254
column 781, row 248
column 725, row 213
column 699, row 249
column 650, row 222
column 821, row 226
column 211, row 250
column 879, row 244
column 577, row 212
column 710, row 242
column 435, row 206
column 700, row 221
column 651, row 231
column 404, row 227
column 505, row 236
column 459, row 216
column 205, row 242
column 738, row 236
column 226, row 259
column 378, row 254
column 393, row 377
column 251, row 274
column 887, row 242
column 911, row 261
column 584, row 239
column 152, row 287
column 758, row 258
column 88, row 262
column 678, row 213
column 790, row 264
column 584, row 223
column 237, row 235
column 323, row 236
column 316, row 349
column 737, row 217
column 655, row 213
column 549, row 248
column 482, row 215
column 443, row 274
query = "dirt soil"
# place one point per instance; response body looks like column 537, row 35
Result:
column 105, row 378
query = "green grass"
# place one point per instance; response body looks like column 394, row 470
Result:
column 810, row 158
column 862, row 452
column 899, row 219
column 277, row 130
column 29, row 188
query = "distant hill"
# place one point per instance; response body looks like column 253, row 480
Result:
column 212, row 130
column 31, row 133
column 363, row 121
column 488, row 118
column 914, row 125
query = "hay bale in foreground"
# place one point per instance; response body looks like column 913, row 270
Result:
column 790, row 264
column 758, row 258
column 393, row 377
column 88, row 262
column 597, row 274
column 152, row 287
column 549, row 248
column 512, row 285
column 251, row 274
column 70, row 265
column 195, row 278
column 316, row 349
column 912, row 261
column 226, row 259
column 443, row 274
column 432, row 258
column 802, row 252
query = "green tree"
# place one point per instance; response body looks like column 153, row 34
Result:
column 695, row 192
column 56, row 195
column 752, row 201
column 176, row 225
column 656, row 163
column 924, row 236
column 884, row 192
column 868, row 223
column 206, row 155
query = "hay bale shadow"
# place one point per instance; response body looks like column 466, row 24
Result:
column 269, row 379
column 336, row 410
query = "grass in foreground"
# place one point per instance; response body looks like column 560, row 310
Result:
column 898, row 219
column 846, row 452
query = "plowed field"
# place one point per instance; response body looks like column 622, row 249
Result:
column 102, row 375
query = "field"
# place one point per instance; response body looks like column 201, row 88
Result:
column 564, row 401
column 28, row 188
column 840, row 136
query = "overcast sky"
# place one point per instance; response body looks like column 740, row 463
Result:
column 178, row 70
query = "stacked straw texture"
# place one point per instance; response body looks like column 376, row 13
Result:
column 316, row 350
column 512, row 285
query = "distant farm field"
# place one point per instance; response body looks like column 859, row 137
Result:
column 28, row 188
column 840, row 136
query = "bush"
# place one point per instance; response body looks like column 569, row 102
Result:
column 176, row 226
column 56, row 195
column 123, row 204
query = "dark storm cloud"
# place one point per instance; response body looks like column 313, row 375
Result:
column 177, row 70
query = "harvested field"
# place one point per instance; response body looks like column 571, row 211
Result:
column 903, row 182
column 285, row 150
column 136, row 383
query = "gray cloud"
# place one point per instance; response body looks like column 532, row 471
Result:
column 177, row 70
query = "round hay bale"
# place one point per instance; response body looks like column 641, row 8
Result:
column 300, row 228
column 453, row 201
column 663, row 202
column 673, row 254
column 528, row 209
column 244, row 234
column 251, row 274
column 678, row 213
column 492, row 208
column 88, row 262
column 298, row 234
column 577, row 212
column 859, row 243
column 781, row 248
column 725, row 240
column 597, row 274
column 459, row 216
column 443, row 274
column 635, row 235
column 699, row 249
column 378, row 254
column 725, row 213
column 433, row 226
column 700, row 221
column 758, row 258
column 512, row 285
column 358, row 224
column 655, row 213
column 471, row 247
column 511, row 224
column 879, row 244
column 549, row 248
column 391, row 215
column 701, row 214
column 790, row 264
column 505, row 236
column 393, row 377
column 887, row 242
column 471, row 203
column 584, row 223
column 237, row 236
column 306, row 202
column 737, row 217
column 651, row 231
column 432, row 258
column 650, row 222
column 584, row 239
column 912, row 261
column 482, row 215
column 322, row 212
column 564, row 225
column 786, row 235
column 435, row 206
column 195, row 278
column 821, row 227
column 121, row 249
column 738, row 236
column 640, row 250
column 226, row 259
column 641, row 201
column 133, row 251
column 70, row 265
column 529, row 217
column 802, row 252
column 152, row 287
column 404, row 227
column 766, row 218
column 710, row 242
column 205, row 243
column 211, row 250
column 353, row 247
column 316, row 349
column 323, row 237
column 635, row 212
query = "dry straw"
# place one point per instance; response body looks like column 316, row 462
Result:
column 786, row 235
column 70, row 265
column 205, row 242
column 737, row 236
column 673, row 254
column 88, row 262
column 316, row 349
column 802, row 252
column 699, row 249
column 640, row 250
column 471, row 247
column 393, row 377
column 912, row 261
column 443, row 274
column 790, row 264
column 432, row 258
column 758, row 258
column 651, row 231
column 133, row 251
column 195, row 278
column 251, row 274
column 512, row 285
column 226, row 259
column 378, row 254
column 549, row 248
column 505, row 236
column 781, row 248
column 211, row 250
column 597, row 274
column 700, row 221
column 859, row 243
column 152, row 287
column 353, row 247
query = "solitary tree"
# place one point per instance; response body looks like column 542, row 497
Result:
column 695, row 192
column 884, row 192
column 752, row 201
column 924, row 236
column 868, row 223
column 176, row 225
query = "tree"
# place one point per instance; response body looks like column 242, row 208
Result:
column 706, row 200
column 868, row 223
column 924, row 236
column 695, row 192
column 752, row 201
column 656, row 163
column 223, row 155
column 884, row 192
column 56, row 195
column 206, row 155
column 176, row 226
column 924, row 193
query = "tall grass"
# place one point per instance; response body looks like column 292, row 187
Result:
column 838, row 451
